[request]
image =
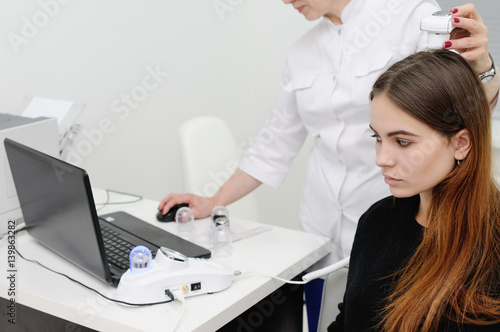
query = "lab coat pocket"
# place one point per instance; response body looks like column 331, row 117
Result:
column 300, row 82
column 313, row 97
column 302, row 86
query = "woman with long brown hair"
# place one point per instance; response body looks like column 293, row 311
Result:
column 428, row 257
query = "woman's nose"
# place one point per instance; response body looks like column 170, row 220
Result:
column 385, row 157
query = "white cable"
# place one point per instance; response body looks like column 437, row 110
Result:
column 309, row 276
column 180, row 297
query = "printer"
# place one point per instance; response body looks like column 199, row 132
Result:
column 39, row 133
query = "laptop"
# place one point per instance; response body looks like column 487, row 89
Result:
column 59, row 212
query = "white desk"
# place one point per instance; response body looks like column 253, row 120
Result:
column 279, row 252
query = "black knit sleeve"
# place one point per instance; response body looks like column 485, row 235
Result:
column 338, row 324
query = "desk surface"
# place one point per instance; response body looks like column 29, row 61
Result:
column 279, row 252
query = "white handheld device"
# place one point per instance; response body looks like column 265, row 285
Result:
column 150, row 281
column 326, row 270
column 438, row 27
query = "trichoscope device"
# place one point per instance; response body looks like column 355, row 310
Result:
column 438, row 27
column 151, row 280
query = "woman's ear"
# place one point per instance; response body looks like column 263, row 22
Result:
column 462, row 144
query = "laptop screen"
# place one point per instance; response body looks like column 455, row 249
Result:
column 58, row 207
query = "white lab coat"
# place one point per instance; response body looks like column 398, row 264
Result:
column 325, row 90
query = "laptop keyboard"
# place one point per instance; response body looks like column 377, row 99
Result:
column 117, row 249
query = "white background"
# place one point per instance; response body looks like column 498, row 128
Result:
column 223, row 58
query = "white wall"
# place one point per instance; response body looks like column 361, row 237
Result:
column 225, row 62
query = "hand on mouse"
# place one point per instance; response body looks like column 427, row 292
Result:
column 201, row 206
column 171, row 214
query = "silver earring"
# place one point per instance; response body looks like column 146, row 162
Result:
column 458, row 162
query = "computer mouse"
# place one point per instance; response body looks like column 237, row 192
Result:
column 170, row 215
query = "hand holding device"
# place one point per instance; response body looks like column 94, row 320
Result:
column 462, row 29
column 438, row 27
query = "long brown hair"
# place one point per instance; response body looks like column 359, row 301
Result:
column 454, row 274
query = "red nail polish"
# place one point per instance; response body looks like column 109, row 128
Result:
column 454, row 11
column 447, row 44
column 456, row 20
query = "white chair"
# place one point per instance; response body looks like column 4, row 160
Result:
column 333, row 294
column 210, row 155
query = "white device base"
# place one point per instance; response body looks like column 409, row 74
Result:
column 192, row 276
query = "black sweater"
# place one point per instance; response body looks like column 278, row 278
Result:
column 386, row 238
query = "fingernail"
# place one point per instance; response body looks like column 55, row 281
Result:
column 447, row 44
column 456, row 20
column 454, row 11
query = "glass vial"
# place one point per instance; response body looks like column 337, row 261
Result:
column 217, row 212
column 221, row 238
column 184, row 219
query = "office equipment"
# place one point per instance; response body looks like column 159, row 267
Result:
column 59, row 211
column 39, row 133
column 168, row 272
column 65, row 111
column 170, row 215
column 280, row 252
column 45, row 107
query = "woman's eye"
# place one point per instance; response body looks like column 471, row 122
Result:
column 402, row 143
column 376, row 137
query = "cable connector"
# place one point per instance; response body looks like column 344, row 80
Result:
column 178, row 295
column 174, row 295
column 170, row 295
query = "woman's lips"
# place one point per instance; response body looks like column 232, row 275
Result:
column 390, row 180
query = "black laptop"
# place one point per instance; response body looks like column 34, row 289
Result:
column 59, row 211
